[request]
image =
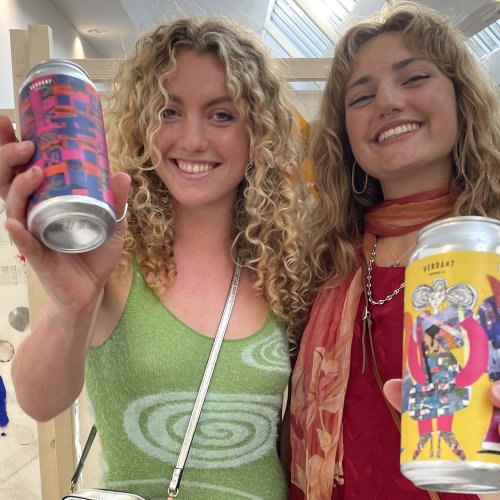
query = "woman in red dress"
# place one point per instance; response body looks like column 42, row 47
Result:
column 408, row 134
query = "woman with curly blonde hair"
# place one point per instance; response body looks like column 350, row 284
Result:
column 409, row 133
column 199, row 126
column 268, row 209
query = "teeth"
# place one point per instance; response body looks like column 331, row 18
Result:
column 400, row 130
column 194, row 168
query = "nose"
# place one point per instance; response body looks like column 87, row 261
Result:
column 389, row 100
column 192, row 135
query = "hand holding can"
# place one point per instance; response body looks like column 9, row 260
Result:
column 71, row 280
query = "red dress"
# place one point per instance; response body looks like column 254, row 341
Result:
column 371, row 437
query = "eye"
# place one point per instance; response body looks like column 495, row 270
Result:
column 169, row 113
column 360, row 101
column 222, row 117
column 415, row 79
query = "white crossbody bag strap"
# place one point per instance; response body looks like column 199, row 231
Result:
column 173, row 488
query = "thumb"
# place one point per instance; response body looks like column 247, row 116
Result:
column 7, row 133
column 392, row 391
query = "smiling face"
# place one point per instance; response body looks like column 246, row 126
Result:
column 203, row 140
column 401, row 117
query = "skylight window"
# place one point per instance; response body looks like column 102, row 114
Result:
column 487, row 41
column 304, row 28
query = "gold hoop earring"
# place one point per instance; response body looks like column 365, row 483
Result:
column 352, row 179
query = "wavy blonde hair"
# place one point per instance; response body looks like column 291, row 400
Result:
column 339, row 212
column 269, row 212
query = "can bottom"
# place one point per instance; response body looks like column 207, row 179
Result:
column 454, row 477
column 72, row 223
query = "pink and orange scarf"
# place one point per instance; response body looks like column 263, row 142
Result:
column 319, row 379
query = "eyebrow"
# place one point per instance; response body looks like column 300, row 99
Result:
column 218, row 100
column 397, row 66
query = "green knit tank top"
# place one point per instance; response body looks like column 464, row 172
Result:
column 142, row 383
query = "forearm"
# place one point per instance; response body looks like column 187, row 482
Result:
column 49, row 366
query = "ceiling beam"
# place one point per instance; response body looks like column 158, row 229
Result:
column 297, row 69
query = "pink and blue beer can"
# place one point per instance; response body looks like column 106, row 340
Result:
column 60, row 111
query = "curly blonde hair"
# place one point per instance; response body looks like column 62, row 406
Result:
column 339, row 211
column 269, row 212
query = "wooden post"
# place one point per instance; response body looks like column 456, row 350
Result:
column 20, row 58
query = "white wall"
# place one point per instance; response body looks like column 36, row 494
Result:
column 18, row 14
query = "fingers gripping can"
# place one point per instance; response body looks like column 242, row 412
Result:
column 449, row 438
column 73, row 209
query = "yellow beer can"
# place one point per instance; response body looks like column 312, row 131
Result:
column 451, row 356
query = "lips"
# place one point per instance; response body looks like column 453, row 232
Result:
column 397, row 131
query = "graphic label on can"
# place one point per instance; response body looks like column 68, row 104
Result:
column 451, row 357
column 62, row 115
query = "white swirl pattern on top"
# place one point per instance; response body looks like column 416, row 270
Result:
column 234, row 429
column 269, row 354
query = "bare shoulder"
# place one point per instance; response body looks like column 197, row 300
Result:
column 113, row 303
